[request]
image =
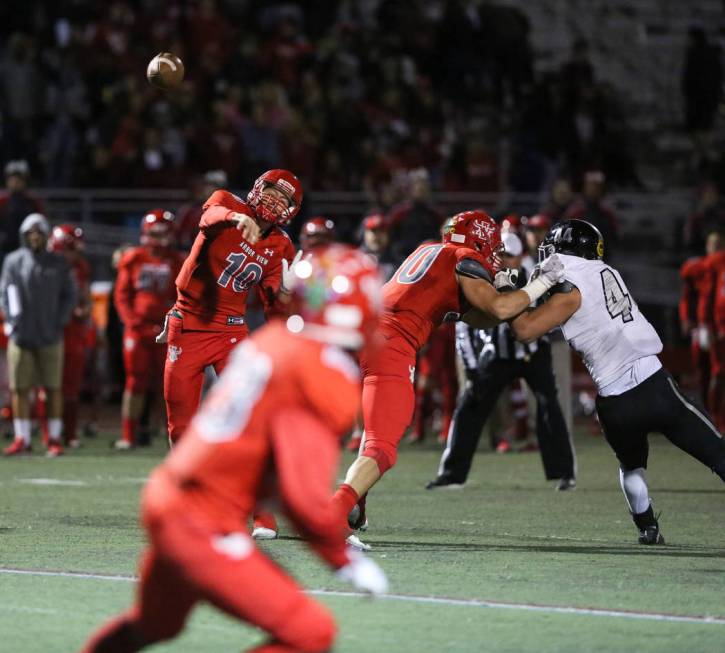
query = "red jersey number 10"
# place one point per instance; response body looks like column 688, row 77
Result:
column 242, row 276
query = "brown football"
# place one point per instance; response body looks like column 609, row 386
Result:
column 165, row 71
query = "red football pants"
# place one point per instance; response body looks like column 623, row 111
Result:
column 143, row 360
column 187, row 563
column 388, row 400
column 188, row 353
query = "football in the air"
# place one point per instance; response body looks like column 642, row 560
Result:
column 165, row 71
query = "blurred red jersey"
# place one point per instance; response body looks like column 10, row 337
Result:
column 82, row 275
column 267, row 430
column 712, row 299
column 223, row 266
column 423, row 290
column 144, row 289
column 692, row 273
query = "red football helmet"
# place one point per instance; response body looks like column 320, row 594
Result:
column 539, row 221
column 374, row 221
column 317, row 231
column 66, row 238
column 157, row 228
column 337, row 296
column 274, row 209
column 478, row 231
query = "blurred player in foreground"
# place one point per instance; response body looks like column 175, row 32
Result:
column 317, row 232
column 438, row 280
column 267, row 430
column 144, row 291
column 619, row 347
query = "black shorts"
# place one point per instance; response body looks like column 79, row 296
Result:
column 657, row 405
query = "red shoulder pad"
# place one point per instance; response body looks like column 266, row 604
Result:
column 229, row 201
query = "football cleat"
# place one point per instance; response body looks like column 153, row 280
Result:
column 73, row 443
column 263, row 533
column 649, row 528
column 503, row 447
column 356, row 519
column 17, row 448
column 356, row 543
column 55, row 449
column 566, row 483
column 444, row 483
column 651, row 535
column 123, row 445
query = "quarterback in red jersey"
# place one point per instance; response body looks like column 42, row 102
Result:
column 435, row 281
column 693, row 274
column 68, row 240
column 267, row 430
column 208, row 318
column 143, row 294
column 711, row 313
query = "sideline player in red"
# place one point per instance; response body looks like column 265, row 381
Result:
column 693, row 273
column 711, row 313
column 68, row 240
column 436, row 280
column 317, row 232
column 267, row 430
column 143, row 293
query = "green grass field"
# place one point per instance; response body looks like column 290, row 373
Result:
column 508, row 537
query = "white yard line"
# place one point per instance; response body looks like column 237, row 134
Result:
column 435, row 600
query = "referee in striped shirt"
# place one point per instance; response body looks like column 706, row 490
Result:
column 493, row 359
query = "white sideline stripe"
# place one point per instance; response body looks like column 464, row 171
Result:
column 51, row 481
column 435, row 600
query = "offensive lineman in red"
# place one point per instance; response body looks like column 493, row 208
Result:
column 267, row 429
column 711, row 313
column 143, row 294
column 68, row 240
column 437, row 279
column 207, row 320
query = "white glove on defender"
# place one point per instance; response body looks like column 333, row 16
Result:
column 364, row 574
column 506, row 279
column 548, row 273
column 288, row 273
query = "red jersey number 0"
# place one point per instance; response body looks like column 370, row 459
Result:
column 417, row 264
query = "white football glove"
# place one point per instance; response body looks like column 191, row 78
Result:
column 547, row 274
column 164, row 335
column 288, row 273
column 364, row 574
column 506, row 279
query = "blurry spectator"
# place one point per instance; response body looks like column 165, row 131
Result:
column 317, row 232
column 708, row 216
column 560, row 200
column 702, row 80
column 416, row 220
column 15, row 204
column 536, row 228
column 376, row 241
column 38, row 296
column 188, row 216
column 592, row 209
column 577, row 73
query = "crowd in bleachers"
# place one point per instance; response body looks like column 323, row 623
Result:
column 344, row 93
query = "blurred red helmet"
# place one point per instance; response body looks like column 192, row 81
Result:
column 539, row 221
column 157, row 228
column 337, row 296
column 478, row 231
column 374, row 221
column 511, row 222
column 66, row 238
column 273, row 209
column 317, row 231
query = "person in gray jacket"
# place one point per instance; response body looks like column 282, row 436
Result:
column 37, row 295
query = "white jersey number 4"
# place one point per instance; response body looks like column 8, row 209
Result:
column 618, row 302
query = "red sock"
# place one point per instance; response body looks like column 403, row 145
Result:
column 70, row 419
column 128, row 429
column 345, row 500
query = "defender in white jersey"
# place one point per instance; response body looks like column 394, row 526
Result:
column 636, row 395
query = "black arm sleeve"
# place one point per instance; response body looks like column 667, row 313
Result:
column 564, row 286
column 469, row 267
